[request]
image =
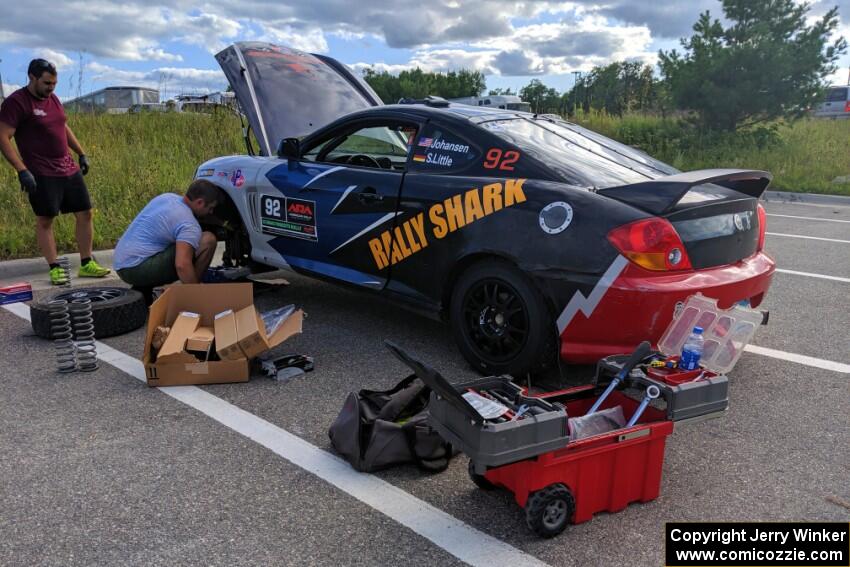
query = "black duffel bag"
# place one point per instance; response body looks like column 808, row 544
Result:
column 378, row 429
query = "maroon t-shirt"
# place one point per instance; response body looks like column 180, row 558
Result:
column 39, row 133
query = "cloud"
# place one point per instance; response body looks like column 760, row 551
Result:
column 169, row 80
column 58, row 58
column 664, row 19
column 517, row 63
column 131, row 31
column 9, row 88
column 311, row 40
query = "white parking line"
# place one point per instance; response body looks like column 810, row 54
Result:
column 807, row 218
column 461, row 540
column 811, row 275
column 799, row 359
column 808, row 237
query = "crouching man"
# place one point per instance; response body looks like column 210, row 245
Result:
column 165, row 243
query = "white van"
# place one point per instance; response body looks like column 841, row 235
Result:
column 836, row 103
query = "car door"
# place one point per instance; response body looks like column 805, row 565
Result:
column 345, row 188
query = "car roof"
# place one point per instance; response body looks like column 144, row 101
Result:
column 458, row 113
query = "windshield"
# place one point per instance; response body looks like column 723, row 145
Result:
column 578, row 155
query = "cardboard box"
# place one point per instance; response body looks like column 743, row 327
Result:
column 201, row 339
column 174, row 348
column 226, row 340
column 206, row 300
column 251, row 331
column 201, row 342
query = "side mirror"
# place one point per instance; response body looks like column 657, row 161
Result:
column 289, row 148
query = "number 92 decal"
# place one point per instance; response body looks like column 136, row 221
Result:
column 498, row 159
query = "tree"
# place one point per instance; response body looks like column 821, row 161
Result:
column 417, row 83
column 501, row 92
column 543, row 99
column 767, row 64
column 616, row 88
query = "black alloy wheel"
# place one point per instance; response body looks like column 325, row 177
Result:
column 115, row 310
column 496, row 319
column 500, row 320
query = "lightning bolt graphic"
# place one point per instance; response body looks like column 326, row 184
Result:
column 586, row 305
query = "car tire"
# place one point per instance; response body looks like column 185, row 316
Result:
column 500, row 321
column 115, row 310
column 549, row 511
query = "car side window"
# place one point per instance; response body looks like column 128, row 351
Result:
column 836, row 95
column 376, row 146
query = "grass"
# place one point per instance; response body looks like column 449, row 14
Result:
column 135, row 157
column 805, row 156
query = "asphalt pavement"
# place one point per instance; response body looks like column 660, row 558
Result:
column 99, row 469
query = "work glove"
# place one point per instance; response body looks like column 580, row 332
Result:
column 27, row 180
column 84, row 164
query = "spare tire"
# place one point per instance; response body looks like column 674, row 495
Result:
column 115, row 310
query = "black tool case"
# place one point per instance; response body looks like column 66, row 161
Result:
column 486, row 443
column 703, row 397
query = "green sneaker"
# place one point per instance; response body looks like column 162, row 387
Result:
column 93, row 270
column 57, row 276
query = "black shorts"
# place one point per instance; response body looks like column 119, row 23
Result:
column 59, row 194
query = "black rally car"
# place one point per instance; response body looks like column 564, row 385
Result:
column 531, row 236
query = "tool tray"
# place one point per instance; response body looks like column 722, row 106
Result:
column 486, row 443
column 698, row 393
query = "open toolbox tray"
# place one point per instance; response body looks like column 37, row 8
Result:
column 699, row 393
column 489, row 444
column 486, row 443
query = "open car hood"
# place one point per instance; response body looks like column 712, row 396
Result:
column 289, row 93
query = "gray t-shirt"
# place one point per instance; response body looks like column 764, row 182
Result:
column 163, row 221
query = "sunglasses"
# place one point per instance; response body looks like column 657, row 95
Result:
column 39, row 66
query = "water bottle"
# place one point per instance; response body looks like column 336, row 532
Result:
column 692, row 350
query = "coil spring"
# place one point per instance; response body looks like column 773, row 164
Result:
column 84, row 335
column 65, row 264
column 60, row 330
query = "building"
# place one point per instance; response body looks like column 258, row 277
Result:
column 209, row 102
column 508, row 102
column 114, row 100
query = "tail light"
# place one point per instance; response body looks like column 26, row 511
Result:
column 762, row 226
column 652, row 244
column 847, row 106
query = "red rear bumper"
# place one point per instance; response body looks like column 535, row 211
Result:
column 639, row 305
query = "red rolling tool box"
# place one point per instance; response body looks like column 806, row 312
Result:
column 528, row 450
column 602, row 473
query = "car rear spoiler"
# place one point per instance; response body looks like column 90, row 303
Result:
column 659, row 196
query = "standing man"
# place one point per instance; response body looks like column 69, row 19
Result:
column 165, row 242
column 34, row 116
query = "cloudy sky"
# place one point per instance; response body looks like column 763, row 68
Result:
column 169, row 44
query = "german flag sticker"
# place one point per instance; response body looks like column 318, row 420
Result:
column 418, row 158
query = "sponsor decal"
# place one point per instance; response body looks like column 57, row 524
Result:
column 283, row 216
column 419, row 158
column 223, row 173
column 555, row 217
column 742, row 221
column 426, row 142
column 415, row 234
column 39, row 112
column 443, row 145
column 496, row 158
column 237, row 179
column 205, row 172
column 438, row 160
column 301, row 211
